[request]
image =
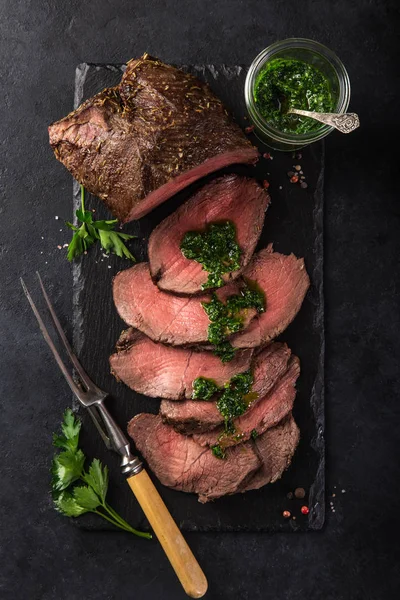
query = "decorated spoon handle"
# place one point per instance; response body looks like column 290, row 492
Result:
column 171, row 539
column 345, row 122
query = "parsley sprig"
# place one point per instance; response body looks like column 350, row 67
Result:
column 92, row 231
column 69, row 467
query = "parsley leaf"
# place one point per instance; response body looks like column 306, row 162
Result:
column 92, row 231
column 70, row 428
column 68, row 467
column 81, row 241
column 97, row 478
column 68, row 506
column 86, row 497
column 112, row 241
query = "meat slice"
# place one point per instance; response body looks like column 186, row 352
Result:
column 230, row 198
column 190, row 416
column 275, row 449
column 162, row 371
column 180, row 463
column 285, row 282
column 136, row 145
column 174, row 320
column 194, row 416
column 264, row 414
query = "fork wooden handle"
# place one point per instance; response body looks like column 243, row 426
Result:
column 171, row 539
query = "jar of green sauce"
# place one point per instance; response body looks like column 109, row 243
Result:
column 294, row 73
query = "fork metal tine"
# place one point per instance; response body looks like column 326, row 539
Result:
column 92, row 410
column 82, row 373
column 92, row 397
column 76, row 390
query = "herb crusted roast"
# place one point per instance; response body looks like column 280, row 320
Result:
column 139, row 143
column 175, row 320
column 194, row 416
column 180, row 463
column 240, row 200
column 161, row 371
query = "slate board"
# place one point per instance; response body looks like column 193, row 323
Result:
column 294, row 223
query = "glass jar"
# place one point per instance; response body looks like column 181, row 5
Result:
column 312, row 53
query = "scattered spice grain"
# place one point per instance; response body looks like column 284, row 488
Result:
column 299, row 492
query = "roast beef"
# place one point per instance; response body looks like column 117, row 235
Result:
column 285, row 282
column 275, row 449
column 263, row 414
column 175, row 320
column 230, row 198
column 138, row 144
column 157, row 370
column 180, row 463
column 194, row 416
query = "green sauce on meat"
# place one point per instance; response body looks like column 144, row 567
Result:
column 218, row 451
column 216, row 249
column 254, row 434
column 204, row 389
column 227, row 318
column 233, row 400
column 225, row 351
column 285, row 83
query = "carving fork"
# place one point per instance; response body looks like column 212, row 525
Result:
column 92, row 398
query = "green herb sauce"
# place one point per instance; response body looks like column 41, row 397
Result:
column 225, row 351
column 204, row 389
column 216, row 249
column 234, row 398
column 218, row 451
column 286, row 83
column 254, row 434
column 226, row 319
column 233, row 401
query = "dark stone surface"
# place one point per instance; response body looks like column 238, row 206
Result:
column 356, row 555
column 294, row 223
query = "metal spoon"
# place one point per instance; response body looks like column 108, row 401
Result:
column 345, row 122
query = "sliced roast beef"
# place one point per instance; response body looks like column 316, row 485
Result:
column 265, row 413
column 138, row 144
column 157, row 370
column 194, row 416
column 180, row 463
column 231, row 198
column 275, row 449
column 190, row 416
column 285, row 282
column 174, row 320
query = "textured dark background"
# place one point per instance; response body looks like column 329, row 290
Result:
column 356, row 555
